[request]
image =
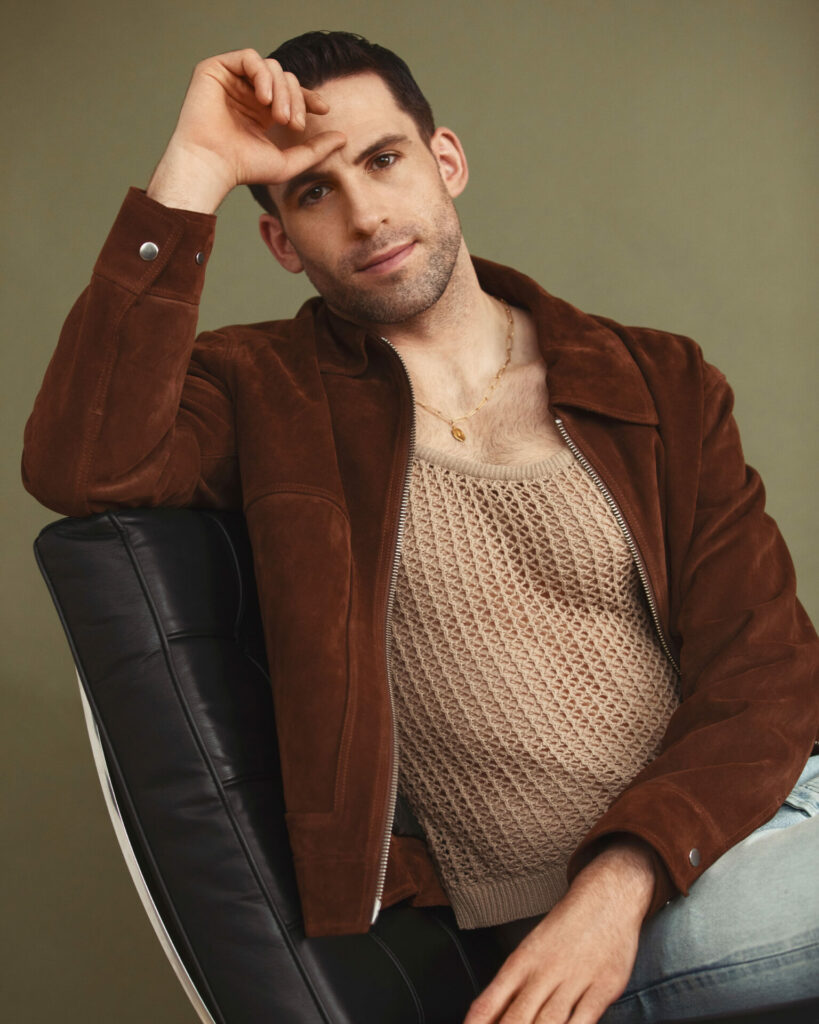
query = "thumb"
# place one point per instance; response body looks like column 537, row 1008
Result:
column 304, row 155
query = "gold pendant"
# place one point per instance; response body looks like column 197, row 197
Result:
column 458, row 434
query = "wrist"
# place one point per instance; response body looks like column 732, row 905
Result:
column 185, row 180
column 622, row 871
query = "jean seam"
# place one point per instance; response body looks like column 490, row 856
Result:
column 675, row 984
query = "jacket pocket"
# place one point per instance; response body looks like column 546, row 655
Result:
column 302, row 555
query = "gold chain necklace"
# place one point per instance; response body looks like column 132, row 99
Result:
column 457, row 432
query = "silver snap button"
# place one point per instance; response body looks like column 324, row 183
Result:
column 148, row 251
column 694, row 857
column 200, row 258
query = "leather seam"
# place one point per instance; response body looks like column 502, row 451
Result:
column 456, row 941
column 402, row 971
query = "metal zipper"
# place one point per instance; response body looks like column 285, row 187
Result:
column 620, row 519
column 396, row 561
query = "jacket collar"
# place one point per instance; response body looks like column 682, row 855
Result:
column 588, row 364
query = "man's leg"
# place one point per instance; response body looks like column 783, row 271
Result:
column 747, row 935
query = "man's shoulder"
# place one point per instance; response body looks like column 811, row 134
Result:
column 664, row 350
column 567, row 321
column 672, row 365
column 593, row 347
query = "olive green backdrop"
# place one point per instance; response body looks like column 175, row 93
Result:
column 653, row 161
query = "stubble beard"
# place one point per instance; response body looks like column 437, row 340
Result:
column 404, row 294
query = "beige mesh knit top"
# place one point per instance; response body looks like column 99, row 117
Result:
column 529, row 685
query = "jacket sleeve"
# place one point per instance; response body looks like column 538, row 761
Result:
column 749, row 663
column 133, row 411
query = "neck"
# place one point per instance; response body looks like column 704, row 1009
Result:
column 455, row 347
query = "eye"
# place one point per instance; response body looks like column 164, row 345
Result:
column 383, row 160
column 313, row 195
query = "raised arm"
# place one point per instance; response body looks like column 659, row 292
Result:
column 133, row 410
column 221, row 137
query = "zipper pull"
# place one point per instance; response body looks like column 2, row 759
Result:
column 376, row 909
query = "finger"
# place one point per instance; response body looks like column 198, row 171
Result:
column 280, row 108
column 259, row 75
column 315, row 103
column 487, row 1007
column 298, row 110
column 242, row 66
column 590, row 1008
column 252, row 74
column 493, row 1001
column 251, row 66
column 263, row 86
column 529, row 1008
column 557, row 1008
column 296, row 159
column 240, row 62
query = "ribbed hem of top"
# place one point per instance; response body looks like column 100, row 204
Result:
column 495, row 471
column 508, row 899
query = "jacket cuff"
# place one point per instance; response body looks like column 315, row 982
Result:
column 682, row 833
column 664, row 888
column 157, row 248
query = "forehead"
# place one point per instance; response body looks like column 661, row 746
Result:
column 355, row 101
column 361, row 106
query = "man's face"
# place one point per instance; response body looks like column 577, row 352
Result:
column 373, row 226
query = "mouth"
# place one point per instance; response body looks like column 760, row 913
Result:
column 388, row 261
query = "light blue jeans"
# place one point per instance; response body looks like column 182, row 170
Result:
column 747, row 935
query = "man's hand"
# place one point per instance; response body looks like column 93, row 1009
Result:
column 578, row 959
column 220, row 140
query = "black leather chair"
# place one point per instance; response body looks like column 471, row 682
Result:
column 161, row 613
column 160, row 609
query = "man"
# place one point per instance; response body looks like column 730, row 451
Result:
column 334, row 439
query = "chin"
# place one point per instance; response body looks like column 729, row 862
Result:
column 386, row 308
column 393, row 298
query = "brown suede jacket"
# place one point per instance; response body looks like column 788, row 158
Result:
column 308, row 425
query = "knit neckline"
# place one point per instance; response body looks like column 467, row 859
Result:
column 495, row 471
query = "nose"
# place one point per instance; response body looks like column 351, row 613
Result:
column 366, row 210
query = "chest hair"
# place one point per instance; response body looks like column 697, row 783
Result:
column 514, row 426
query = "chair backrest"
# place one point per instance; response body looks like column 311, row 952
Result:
column 160, row 609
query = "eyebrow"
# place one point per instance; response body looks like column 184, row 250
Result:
column 311, row 175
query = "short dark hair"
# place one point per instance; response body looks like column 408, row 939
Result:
column 318, row 57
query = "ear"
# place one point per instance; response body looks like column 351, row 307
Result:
column 449, row 153
column 274, row 237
